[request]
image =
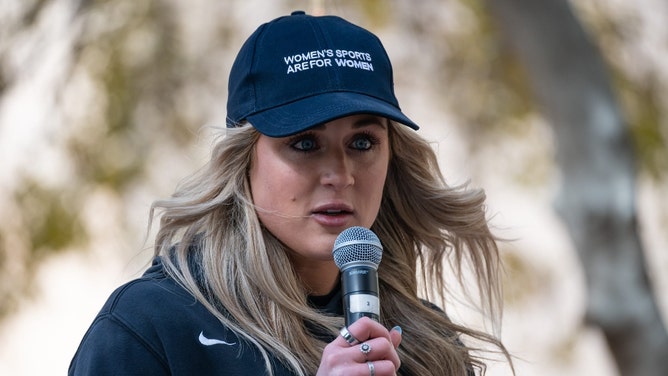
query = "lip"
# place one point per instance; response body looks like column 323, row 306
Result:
column 332, row 214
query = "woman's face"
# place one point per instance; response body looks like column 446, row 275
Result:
column 309, row 187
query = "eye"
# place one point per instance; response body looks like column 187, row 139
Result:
column 364, row 142
column 304, row 143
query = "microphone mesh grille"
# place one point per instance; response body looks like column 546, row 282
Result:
column 357, row 244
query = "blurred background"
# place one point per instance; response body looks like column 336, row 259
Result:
column 557, row 109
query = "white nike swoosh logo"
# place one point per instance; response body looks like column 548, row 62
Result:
column 210, row 341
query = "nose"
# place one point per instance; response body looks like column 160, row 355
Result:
column 337, row 170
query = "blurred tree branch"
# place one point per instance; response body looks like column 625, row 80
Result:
column 597, row 161
column 119, row 101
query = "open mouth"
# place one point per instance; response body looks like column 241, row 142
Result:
column 333, row 215
column 333, row 212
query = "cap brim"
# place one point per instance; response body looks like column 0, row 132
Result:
column 306, row 113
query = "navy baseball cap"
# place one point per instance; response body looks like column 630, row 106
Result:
column 299, row 71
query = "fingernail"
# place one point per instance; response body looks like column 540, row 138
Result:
column 398, row 329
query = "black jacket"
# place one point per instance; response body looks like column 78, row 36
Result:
column 152, row 326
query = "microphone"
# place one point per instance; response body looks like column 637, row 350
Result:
column 357, row 252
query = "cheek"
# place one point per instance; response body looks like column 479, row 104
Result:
column 259, row 181
column 274, row 186
column 373, row 185
column 263, row 187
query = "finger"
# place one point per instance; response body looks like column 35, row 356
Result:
column 377, row 349
column 380, row 367
column 366, row 328
column 395, row 336
column 347, row 336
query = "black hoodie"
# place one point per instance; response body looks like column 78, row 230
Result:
column 153, row 326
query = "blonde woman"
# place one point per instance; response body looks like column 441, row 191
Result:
column 243, row 281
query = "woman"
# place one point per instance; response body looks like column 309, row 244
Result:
column 244, row 283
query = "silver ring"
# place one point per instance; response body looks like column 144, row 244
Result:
column 372, row 369
column 348, row 336
column 365, row 348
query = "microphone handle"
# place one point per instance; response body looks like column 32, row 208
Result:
column 360, row 293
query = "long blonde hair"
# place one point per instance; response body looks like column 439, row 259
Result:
column 247, row 281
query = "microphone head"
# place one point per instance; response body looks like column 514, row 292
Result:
column 357, row 244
